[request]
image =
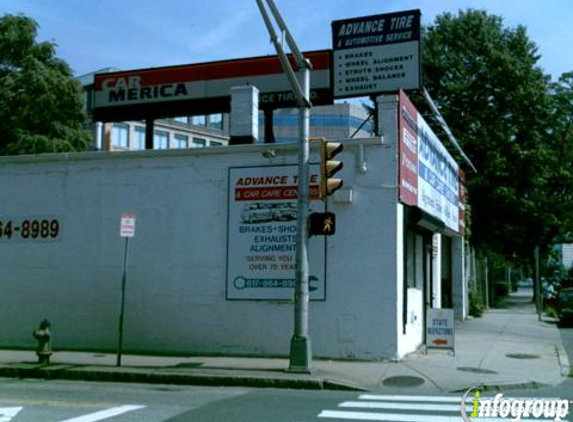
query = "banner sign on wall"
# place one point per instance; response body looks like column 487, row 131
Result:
column 408, row 139
column 429, row 176
column 375, row 54
column 262, row 234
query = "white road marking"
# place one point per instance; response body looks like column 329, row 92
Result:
column 104, row 414
column 421, row 404
column 436, row 407
column 7, row 413
column 389, row 417
column 400, row 417
column 429, row 399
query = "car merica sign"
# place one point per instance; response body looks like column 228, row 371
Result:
column 375, row 54
column 203, row 88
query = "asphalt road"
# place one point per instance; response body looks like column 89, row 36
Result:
column 63, row 401
column 67, row 401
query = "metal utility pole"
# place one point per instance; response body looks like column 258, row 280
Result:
column 300, row 349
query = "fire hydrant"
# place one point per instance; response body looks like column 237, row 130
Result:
column 43, row 335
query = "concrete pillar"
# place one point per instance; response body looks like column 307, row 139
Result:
column 98, row 135
column 244, row 115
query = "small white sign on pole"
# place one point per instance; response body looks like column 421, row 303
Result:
column 440, row 328
column 127, row 226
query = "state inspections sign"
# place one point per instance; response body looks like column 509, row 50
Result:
column 261, row 251
column 440, row 328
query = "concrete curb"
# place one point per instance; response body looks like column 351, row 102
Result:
column 135, row 375
column 505, row 386
column 563, row 361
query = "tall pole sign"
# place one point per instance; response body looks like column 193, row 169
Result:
column 126, row 230
column 376, row 54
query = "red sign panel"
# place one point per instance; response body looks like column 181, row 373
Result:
column 408, row 138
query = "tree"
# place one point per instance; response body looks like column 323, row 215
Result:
column 560, row 135
column 485, row 80
column 40, row 102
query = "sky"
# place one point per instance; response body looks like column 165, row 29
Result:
column 132, row 34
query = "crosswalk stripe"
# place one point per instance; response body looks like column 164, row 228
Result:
column 105, row 414
column 389, row 417
column 400, row 417
column 405, row 406
column 430, row 399
column 409, row 409
column 7, row 413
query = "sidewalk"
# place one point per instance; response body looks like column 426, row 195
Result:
column 506, row 348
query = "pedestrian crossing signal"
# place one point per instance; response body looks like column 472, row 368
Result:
column 329, row 167
column 322, row 224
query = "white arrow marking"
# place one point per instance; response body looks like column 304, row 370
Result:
column 7, row 413
column 104, row 414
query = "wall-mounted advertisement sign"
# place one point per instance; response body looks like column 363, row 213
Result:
column 376, row 54
column 429, row 176
column 408, row 138
column 262, row 229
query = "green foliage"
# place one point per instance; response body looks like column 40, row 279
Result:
column 497, row 101
column 560, row 138
column 476, row 305
column 40, row 102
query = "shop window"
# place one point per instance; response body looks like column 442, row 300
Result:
column 410, row 258
column 414, row 260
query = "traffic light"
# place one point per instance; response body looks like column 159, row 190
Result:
column 321, row 224
column 329, row 167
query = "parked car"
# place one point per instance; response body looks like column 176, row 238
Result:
column 564, row 305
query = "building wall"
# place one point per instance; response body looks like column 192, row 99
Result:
column 175, row 297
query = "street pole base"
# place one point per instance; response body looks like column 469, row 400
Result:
column 300, row 355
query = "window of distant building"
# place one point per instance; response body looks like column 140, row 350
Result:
column 160, row 140
column 198, row 143
column 182, row 119
column 181, row 141
column 199, row 120
column 215, row 144
column 120, row 135
column 216, row 121
column 139, row 138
